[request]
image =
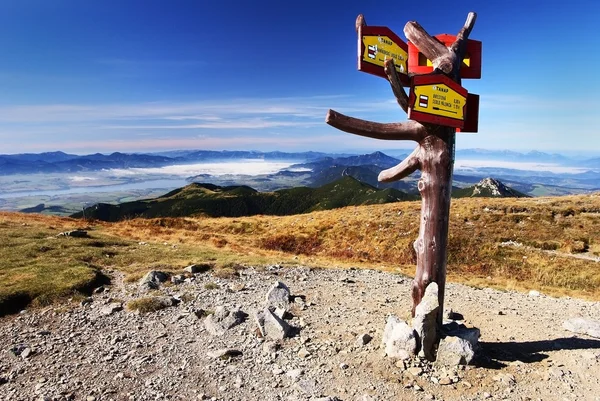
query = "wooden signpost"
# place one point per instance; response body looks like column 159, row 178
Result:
column 437, row 107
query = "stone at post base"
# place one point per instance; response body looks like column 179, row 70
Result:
column 454, row 351
column 426, row 320
column 459, row 345
column 399, row 339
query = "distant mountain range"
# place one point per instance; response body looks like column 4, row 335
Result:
column 60, row 162
column 55, row 162
column 215, row 201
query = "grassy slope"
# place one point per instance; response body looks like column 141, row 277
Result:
column 378, row 236
column 215, row 201
column 382, row 235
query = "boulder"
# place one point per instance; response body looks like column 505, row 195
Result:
column 399, row 339
column 454, row 351
column 152, row 280
column 278, row 296
column 74, row 233
column 271, row 326
column 425, row 321
column 111, row 308
column 363, row 339
column 222, row 320
column 197, row 268
column 580, row 325
column 460, row 330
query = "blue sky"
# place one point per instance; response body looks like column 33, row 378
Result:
column 148, row 75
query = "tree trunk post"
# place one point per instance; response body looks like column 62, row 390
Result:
column 434, row 156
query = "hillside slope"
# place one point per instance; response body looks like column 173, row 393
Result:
column 216, row 201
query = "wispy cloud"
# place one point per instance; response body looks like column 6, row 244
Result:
column 290, row 121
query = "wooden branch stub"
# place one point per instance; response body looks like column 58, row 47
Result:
column 360, row 21
column 409, row 130
column 460, row 44
column 433, row 49
column 404, row 169
column 397, row 87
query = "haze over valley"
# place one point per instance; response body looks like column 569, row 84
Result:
column 66, row 183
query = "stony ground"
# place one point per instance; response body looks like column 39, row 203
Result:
column 91, row 350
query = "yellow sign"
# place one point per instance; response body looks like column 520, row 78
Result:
column 378, row 49
column 440, row 100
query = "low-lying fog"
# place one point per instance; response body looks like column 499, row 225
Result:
column 471, row 165
column 168, row 177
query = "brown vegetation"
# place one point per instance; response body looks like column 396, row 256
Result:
column 550, row 244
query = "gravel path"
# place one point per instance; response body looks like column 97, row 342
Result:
column 94, row 351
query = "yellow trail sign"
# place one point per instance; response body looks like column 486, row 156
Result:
column 437, row 99
column 376, row 44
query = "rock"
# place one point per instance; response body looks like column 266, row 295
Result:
column 281, row 313
column 534, row 293
column 415, row 371
column 197, row 268
column 425, row 321
column 271, row 326
column 505, row 378
column 278, row 296
column 18, row 349
column 580, row 325
column 224, row 353
column 444, row 381
column 100, row 290
column 344, row 366
column 454, row 351
column 363, row 339
column 152, row 280
column 111, row 308
column 449, row 314
column 294, row 374
column 308, row 387
column 460, row 330
column 303, row 353
column 222, row 320
column 399, row 340
column 86, row 301
column 177, row 279
column 74, row 233
column 26, row 353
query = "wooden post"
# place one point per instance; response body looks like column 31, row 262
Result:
column 434, row 156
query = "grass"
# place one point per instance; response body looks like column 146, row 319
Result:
column 37, row 267
column 381, row 236
column 146, row 304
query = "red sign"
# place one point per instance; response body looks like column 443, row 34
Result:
column 437, row 99
column 376, row 44
column 471, row 67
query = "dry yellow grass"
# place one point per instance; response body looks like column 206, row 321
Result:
column 552, row 230
column 555, row 234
